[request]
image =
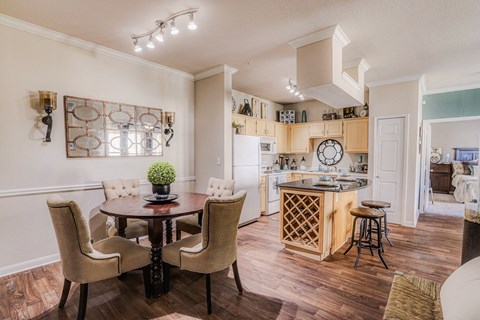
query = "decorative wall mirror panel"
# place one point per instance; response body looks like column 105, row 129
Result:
column 96, row 128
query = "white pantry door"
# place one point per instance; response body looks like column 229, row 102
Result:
column 389, row 165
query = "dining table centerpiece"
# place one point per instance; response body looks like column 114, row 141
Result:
column 161, row 174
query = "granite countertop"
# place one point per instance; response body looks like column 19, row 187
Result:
column 338, row 186
column 332, row 174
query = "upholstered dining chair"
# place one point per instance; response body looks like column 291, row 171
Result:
column 83, row 262
column 103, row 226
column 212, row 250
column 217, row 188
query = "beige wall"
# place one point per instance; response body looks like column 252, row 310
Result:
column 397, row 100
column 213, row 130
column 456, row 134
column 29, row 63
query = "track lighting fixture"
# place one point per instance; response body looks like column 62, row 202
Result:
column 136, row 46
column 162, row 24
column 292, row 88
column 192, row 25
column 174, row 30
column 150, row 44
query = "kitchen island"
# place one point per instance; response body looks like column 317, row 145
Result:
column 315, row 218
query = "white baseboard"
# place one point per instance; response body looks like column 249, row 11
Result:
column 26, row 265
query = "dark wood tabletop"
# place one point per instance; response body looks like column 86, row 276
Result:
column 135, row 207
column 155, row 213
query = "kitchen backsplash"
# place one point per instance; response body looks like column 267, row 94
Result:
column 311, row 159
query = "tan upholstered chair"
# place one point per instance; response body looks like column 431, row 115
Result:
column 216, row 188
column 83, row 262
column 215, row 248
column 103, row 226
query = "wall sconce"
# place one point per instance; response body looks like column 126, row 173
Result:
column 48, row 102
column 169, row 119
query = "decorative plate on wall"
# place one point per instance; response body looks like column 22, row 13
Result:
column 330, row 152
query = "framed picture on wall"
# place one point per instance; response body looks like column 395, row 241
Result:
column 264, row 109
column 256, row 108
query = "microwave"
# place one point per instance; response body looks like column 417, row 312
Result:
column 268, row 146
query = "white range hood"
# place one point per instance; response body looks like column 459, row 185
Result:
column 320, row 72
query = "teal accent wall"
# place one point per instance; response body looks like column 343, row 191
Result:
column 465, row 103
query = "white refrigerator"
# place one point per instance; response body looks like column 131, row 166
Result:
column 246, row 173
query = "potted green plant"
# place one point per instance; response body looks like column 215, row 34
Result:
column 161, row 175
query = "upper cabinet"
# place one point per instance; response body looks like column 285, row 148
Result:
column 282, row 134
column 356, row 135
column 299, row 138
column 333, row 128
column 316, row 130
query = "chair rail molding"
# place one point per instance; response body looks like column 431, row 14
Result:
column 68, row 188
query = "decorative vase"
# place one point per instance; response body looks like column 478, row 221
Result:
column 161, row 191
column 304, row 116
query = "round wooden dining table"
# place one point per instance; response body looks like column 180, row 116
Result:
column 155, row 213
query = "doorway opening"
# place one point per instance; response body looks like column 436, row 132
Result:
column 448, row 182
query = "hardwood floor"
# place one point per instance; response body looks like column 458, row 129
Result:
column 277, row 284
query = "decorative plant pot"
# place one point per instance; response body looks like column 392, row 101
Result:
column 161, row 191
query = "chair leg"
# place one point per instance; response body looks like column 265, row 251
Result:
column 237, row 276
column 178, row 234
column 166, row 277
column 138, row 241
column 353, row 236
column 66, row 290
column 209, row 294
column 147, row 281
column 82, row 307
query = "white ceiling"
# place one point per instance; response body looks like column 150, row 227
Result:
column 400, row 39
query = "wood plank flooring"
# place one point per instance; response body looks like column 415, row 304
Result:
column 277, row 284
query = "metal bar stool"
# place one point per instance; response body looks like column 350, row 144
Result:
column 380, row 205
column 364, row 240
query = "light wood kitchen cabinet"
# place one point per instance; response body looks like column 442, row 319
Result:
column 263, row 194
column 296, row 176
column 289, row 177
column 282, row 135
column 253, row 126
column 316, row 130
column 270, row 129
column 299, row 139
column 265, row 128
column 356, row 135
column 333, row 128
column 250, row 126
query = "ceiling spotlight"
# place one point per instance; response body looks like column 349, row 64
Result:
column 137, row 47
column 150, row 44
column 159, row 36
column 174, row 28
column 301, row 96
column 288, row 87
column 292, row 90
column 296, row 93
column 192, row 25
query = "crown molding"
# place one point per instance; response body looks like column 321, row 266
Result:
column 393, row 81
column 453, row 89
column 333, row 31
column 357, row 63
column 213, row 71
column 79, row 43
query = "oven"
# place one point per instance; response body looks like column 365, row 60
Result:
column 273, row 192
